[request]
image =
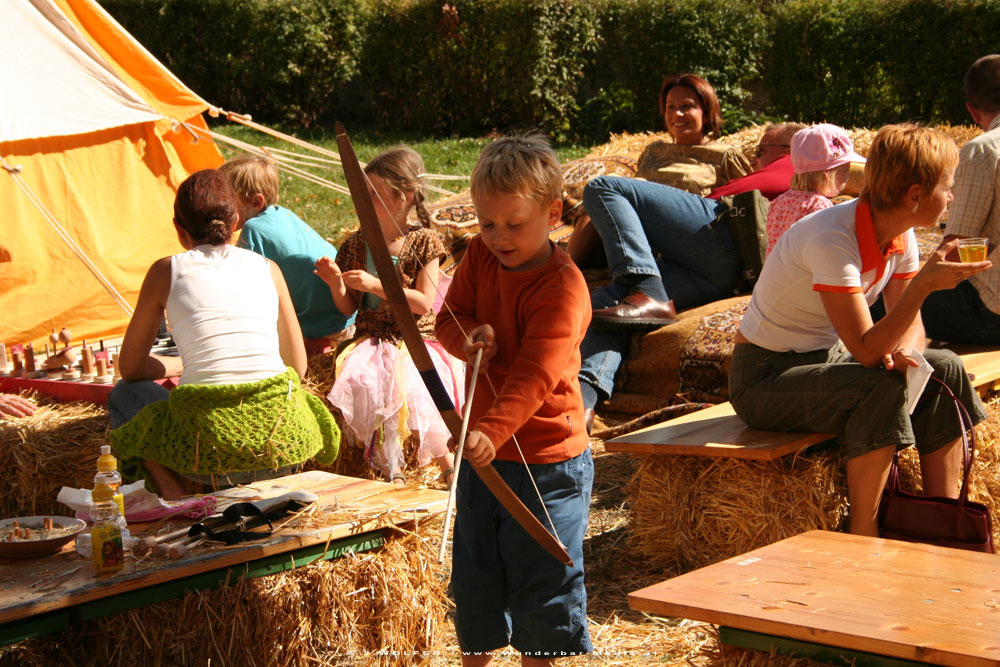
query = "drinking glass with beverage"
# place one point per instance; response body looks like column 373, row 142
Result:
column 973, row 250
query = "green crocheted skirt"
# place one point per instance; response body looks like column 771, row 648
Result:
column 214, row 429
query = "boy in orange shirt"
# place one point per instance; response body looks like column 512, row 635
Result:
column 523, row 301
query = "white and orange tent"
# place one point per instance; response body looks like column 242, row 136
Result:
column 93, row 147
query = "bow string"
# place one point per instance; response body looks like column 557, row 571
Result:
column 393, row 288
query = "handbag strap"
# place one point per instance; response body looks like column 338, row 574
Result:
column 968, row 439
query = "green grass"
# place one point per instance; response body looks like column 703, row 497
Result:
column 332, row 213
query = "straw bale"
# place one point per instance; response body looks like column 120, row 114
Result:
column 357, row 609
column 55, row 447
column 689, row 511
column 632, row 145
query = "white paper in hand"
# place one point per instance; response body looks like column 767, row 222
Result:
column 916, row 379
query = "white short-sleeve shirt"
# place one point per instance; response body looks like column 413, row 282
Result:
column 833, row 250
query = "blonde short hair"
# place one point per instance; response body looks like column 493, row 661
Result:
column 253, row 174
column 902, row 156
column 523, row 165
column 817, row 181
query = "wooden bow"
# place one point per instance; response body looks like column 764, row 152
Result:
column 414, row 342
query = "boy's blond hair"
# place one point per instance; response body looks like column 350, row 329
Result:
column 253, row 174
column 902, row 156
column 523, row 165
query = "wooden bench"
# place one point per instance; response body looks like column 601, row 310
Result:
column 844, row 598
column 714, row 431
column 982, row 363
column 717, row 431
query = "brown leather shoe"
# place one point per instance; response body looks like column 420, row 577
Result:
column 636, row 312
column 588, row 419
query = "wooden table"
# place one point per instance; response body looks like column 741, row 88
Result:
column 908, row 601
column 43, row 595
column 714, row 431
column 982, row 363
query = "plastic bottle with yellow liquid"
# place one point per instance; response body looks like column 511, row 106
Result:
column 106, row 535
column 107, row 473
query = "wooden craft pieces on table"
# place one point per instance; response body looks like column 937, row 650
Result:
column 856, row 594
column 65, row 585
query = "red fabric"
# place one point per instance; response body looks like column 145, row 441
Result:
column 540, row 318
column 772, row 180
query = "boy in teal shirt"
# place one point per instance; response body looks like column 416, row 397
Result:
column 280, row 235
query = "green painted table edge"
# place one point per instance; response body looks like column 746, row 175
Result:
column 43, row 624
column 802, row 649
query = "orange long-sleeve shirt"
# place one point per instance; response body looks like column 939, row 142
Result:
column 540, row 318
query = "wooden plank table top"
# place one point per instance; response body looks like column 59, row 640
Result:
column 982, row 363
column 714, row 431
column 34, row 586
column 911, row 601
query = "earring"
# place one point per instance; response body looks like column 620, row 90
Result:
column 915, row 206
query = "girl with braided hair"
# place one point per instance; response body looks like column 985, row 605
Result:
column 377, row 385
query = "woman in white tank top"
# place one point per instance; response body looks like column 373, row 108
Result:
column 239, row 413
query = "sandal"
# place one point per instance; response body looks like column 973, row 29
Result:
column 397, row 475
column 447, row 473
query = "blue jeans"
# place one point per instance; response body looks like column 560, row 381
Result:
column 128, row 398
column 958, row 315
column 507, row 589
column 647, row 230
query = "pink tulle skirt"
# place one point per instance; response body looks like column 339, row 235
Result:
column 378, row 386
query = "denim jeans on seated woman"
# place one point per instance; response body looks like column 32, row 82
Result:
column 650, row 229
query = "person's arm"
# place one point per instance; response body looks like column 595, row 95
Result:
column 459, row 315
column 871, row 343
column 329, row 272
column 914, row 338
column 420, row 300
column 134, row 360
column 290, row 344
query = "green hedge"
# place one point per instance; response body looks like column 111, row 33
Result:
column 471, row 65
column 574, row 68
column 866, row 63
column 279, row 60
column 646, row 40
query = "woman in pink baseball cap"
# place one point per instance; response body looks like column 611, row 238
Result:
column 821, row 159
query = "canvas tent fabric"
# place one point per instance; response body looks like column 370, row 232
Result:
column 95, row 124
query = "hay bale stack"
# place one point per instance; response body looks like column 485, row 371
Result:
column 55, row 447
column 690, row 511
column 632, row 145
column 327, row 613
